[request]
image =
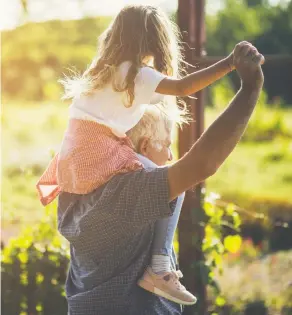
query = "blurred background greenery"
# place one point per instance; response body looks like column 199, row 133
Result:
column 41, row 40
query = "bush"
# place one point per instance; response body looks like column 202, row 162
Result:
column 251, row 286
column 34, row 269
column 251, row 308
column 266, row 124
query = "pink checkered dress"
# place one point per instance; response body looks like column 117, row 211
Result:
column 90, row 156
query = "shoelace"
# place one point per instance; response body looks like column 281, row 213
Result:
column 177, row 274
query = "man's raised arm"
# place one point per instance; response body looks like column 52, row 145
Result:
column 219, row 140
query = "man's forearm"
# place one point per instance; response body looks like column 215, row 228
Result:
column 215, row 144
column 219, row 140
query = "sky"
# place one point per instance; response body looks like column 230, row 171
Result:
column 41, row 10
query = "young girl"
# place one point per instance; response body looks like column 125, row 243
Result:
column 138, row 62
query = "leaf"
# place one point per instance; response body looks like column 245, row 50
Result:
column 230, row 208
column 23, row 257
column 209, row 231
column 39, row 307
column 220, row 301
column 209, row 209
column 6, row 256
column 23, row 278
column 236, row 220
column 232, row 243
column 218, row 259
column 39, row 278
column 56, row 242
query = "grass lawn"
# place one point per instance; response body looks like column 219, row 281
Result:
column 257, row 172
column 29, row 134
column 262, row 171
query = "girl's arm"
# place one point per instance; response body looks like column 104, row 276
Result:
column 196, row 81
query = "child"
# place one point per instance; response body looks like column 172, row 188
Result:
column 137, row 63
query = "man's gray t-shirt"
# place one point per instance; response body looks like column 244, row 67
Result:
column 110, row 232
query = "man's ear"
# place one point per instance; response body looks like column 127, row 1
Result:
column 143, row 146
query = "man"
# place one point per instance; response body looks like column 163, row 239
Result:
column 151, row 138
column 111, row 230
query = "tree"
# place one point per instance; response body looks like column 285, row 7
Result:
column 269, row 28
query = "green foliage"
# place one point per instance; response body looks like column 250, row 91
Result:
column 218, row 246
column 234, row 23
column 253, row 20
column 268, row 27
column 257, row 284
column 32, row 65
column 34, row 269
column 268, row 122
column 215, row 244
column 278, row 29
column 256, row 176
column 266, row 128
column 222, row 93
column 24, row 161
column 267, row 139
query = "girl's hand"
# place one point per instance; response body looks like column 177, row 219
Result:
column 244, row 50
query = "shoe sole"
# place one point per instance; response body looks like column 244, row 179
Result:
column 150, row 287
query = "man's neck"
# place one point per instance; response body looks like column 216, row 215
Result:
column 145, row 161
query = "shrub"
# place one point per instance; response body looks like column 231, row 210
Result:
column 34, row 268
column 267, row 122
column 258, row 284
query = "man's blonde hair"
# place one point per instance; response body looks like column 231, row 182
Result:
column 154, row 125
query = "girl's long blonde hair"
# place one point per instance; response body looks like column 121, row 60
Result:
column 137, row 33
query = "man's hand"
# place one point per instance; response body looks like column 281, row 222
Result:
column 247, row 61
column 244, row 49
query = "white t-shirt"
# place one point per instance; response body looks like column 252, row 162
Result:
column 107, row 107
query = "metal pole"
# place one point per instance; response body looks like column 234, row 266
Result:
column 191, row 233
